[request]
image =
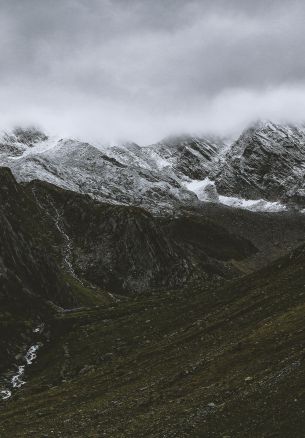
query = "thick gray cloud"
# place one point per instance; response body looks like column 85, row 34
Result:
column 143, row 69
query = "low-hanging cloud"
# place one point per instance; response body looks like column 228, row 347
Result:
column 140, row 70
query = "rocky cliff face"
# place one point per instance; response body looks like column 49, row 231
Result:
column 266, row 162
column 184, row 158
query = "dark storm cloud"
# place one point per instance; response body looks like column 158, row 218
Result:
column 142, row 69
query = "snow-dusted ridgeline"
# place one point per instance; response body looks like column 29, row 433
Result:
column 263, row 170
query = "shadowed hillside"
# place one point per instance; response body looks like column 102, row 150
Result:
column 199, row 362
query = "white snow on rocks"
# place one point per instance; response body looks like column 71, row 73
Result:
column 39, row 148
column 206, row 191
column 252, row 204
column 167, row 175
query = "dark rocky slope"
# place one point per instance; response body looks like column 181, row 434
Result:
column 127, row 250
column 28, row 276
column 274, row 234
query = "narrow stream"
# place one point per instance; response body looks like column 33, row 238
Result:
column 58, row 221
column 16, row 380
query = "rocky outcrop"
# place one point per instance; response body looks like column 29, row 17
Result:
column 189, row 157
column 266, row 162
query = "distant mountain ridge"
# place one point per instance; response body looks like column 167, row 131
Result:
column 266, row 164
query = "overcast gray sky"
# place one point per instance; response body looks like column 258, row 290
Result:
column 143, row 69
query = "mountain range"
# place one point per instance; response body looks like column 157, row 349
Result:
column 153, row 290
column 262, row 169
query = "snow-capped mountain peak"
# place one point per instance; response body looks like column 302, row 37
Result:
column 266, row 164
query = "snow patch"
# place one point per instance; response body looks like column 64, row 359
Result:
column 160, row 162
column 206, row 191
column 252, row 204
column 196, row 186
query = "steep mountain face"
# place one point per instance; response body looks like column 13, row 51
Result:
column 122, row 249
column 267, row 161
column 192, row 157
column 185, row 158
column 127, row 250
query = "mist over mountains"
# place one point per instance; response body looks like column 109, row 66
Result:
column 152, row 219
column 137, row 70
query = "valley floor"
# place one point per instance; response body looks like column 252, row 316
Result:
column 209, row 361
